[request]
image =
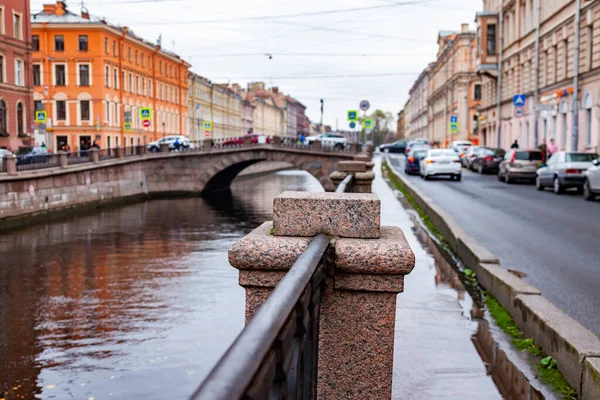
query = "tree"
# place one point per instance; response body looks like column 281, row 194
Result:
column 382, row 127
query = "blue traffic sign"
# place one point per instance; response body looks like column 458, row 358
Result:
column 453, row 119
column 519, row 100
column 352, row 125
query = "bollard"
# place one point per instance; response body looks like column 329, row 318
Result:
column 365, row 267
column 11, row 164
column 95, row 155
column 62, row 159
column 164, row 147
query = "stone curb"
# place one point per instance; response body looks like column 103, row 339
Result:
column 576, row 349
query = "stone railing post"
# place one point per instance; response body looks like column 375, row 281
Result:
column 247, row 140
column 206, row 144
column 363, row 175
column 11, row 164
column 62, row 159
column 95, row 155
column 276, row 140
column 316, row 144
column 118, row 152
column 366, row 265
column 140, row 150
column 370, row 150
column 354, row 148
column 164, row 147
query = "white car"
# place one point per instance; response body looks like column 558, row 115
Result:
column 591, row 186
column 184, row 142
column 4, row 153
column 460, row 146
column 439, row 162
column 330, row 140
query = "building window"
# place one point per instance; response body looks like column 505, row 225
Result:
column 59, row 43
column 60, row 75
column 84, row 107
column 1, row 69
column 123, row 51
column 83, row 43
column 38, row 105
column 136, row 56
column 149, row 87
column 3, row 117
column 116, row 78
column 130, row 82
column 106, row 76
column 17, row 26
column 143, row 86
column 477, row 92
column 129, row 54
column 35, row 43
column 491, row 39
column 108, row 112
column 114, row 48
column 171, row 70
column 84, row 75
column 20, row 123
column 137, row 84
column 143, row 60
column 61, row 110
column 590, row 47
column 160, row 66
column 19, row 72
column 106, row 49
column 123, row 83
column 565, row 58
column 37, row 74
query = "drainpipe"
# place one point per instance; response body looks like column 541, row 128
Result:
column 499, row 89
column 537, row 71
column 575, row 136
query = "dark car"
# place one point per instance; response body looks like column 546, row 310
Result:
column 487, row 160
column 520, row 164
column 413, row 160
column 396, row 147
column 32, row 155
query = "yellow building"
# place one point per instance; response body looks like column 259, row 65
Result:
column 269, row 117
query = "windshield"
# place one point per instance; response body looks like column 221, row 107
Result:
column 528, row 156
column 580, row 157
column 420, row 154
column 23, row 150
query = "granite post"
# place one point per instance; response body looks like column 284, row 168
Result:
column 363, row 175
column 276, row 140
column 206, row 144
column 164, row 147
column 316, row 144
column 247, row 140
column 11, row 164
column 354, row 147
column 118, row 152
column 95, row 155
column 366, row 264
column 62, row 159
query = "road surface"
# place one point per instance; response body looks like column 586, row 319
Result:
column 553, row 239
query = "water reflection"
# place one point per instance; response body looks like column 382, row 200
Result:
column 134, row 302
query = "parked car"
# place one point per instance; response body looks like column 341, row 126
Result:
column 254, row 139
column 487, row 160
column 332, row 140
column 591, row 186
column 460, row 146
column 520, row 164
column 413, row 160
column 565, row 170
column 32, row 155
column 184, row 141
column 440, row 162
column 398, row 146
column 469, row 156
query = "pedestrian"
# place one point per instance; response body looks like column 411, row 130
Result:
column 551, row 149
column 302, row 138
column 176, row 144
column 515, row 145
column 43, row 145
column 68, row 148
column 96, row 145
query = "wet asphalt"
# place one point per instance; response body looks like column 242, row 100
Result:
column 553, row 239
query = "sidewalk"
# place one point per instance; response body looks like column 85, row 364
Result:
column 434, row 356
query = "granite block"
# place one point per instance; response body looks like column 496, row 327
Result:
column 352, row 166
column 261, row 251
column 590, row 387
column 390, row 254
column 264, row 279
column 369, row 283
column 347, row 215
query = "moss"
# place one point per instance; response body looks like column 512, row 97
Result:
column 553, row 377
column 272, row 231
column 424, row 217
column 502, row 318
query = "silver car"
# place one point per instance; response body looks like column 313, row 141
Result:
column 519, row 164
column 564, row 170
column 591, row 186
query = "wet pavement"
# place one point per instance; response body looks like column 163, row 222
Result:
column 139, row 302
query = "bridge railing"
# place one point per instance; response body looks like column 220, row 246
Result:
column 275, row 356
column 344, row 186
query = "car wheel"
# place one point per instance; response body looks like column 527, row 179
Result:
column 587, row 191
column 507, row 178
column 538, row 184
column 339, row 146
column 558, row 188
column 458, row 177
column 426, row 177
column 499, row 176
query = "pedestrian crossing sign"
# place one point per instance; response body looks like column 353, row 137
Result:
column 127, row 127
column 145, row 114
column 207, row 126
column 40, row 117
column 352, row 115
column 368, row 123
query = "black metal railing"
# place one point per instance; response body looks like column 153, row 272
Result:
column 345, row 184
column 275, row 356
column 32, row 162
column 79, row 157
column 106, row 154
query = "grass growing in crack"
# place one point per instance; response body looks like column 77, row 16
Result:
column 547, row 368
column 424, row 217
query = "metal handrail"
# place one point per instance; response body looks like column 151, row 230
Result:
column 342, row 186
column 235, row 371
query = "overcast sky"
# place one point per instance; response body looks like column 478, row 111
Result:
column 323, row 53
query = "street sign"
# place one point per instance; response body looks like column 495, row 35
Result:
column 544, row 107
column 368, row 123
column 145, row 113
column 206, row 133
column 453, row 119
column 207, row 126
column 146, row 123
column 519, row 100
column 41, row 116
column 352, row 125
column 127, row 126
column 453, row 127
column 352, row 115
column 364, row 105
column 519, row 112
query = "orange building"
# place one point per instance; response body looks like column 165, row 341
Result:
column 92, row 79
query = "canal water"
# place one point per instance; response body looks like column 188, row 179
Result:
column 137, row 302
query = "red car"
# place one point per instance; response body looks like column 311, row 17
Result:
column 238, row 141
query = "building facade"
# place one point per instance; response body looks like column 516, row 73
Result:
column 400, row 126
column 269, row 117
column 16, row 95
column 419, row 94
column 545, row 72
column 454, row 89
column 93, row 78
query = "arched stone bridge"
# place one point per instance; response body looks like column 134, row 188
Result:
column 74, row 184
